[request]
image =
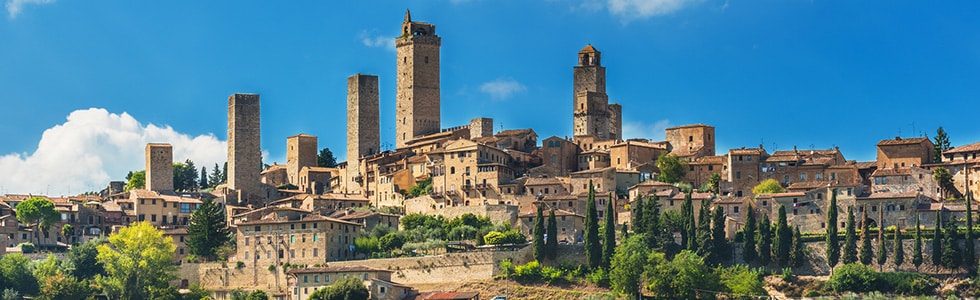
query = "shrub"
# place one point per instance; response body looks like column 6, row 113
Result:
column 787, row 274
column 906, row 283
column 742, row 281
column 853, row 277
column 27, row 248
column 507, row 267
column 528, row 273
column 551, row 274
column 598, row 277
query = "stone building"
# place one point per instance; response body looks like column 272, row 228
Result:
column 690, row 141
column 903, row 153
column 592, row 113
column 964, row 164
column 162, row 210
column 466, row 172
column 417, row 91
column 481, row 127
column 275, row 175
column 294, row 236
column 632, row 153
column 305, row 281
column 363, row 125
column 244, row 152
column 160, row 167
column 560, row 155
column 301, row 152
column 745, row 170
column 700, row 170
column 571, row 225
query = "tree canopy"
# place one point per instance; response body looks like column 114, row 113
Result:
column 137, row 260
column 38, row 212
column 350, row 288
column 768, row 186
column 326, row 159
column 207, row 230
column 135, row 180
column 672, row 168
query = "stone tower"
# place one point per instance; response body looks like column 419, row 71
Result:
column 481, row 127
column 244, row 154
column 160, row 167
column 615, row 122
column 417, row 98
column 363, row 123
column 301, row 151
column 591, row 111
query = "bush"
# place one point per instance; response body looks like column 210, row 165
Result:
column 551, row 274
column 599, row 277
column 27, row 248
column 507, row 267
column 906, row 283
column 528, row 273
column 853, row 277
column 742, row 281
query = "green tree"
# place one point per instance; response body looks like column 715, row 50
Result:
column 609, row 234
column 917, row 246
column 703, row 231
column 207, row 230
column 350, row 288
column 185, row 176
column 637, row 215
column 951, row 251
column 898, row 251
column 136, row 180
column 940, row 144
column 391, row 241
column 969, row 250
column 720, row 249
column 137, row 259
column 204, row 178
column 538, row 232
column 681, row 277
column 672, row 168
column 67, row 231
column 627, row 266
column 689, row 229
column 17, row 274
column 38, row 212
column 882, row 252
column 784, row 239
column 714, row 182
column 944, row 179
column 937, row 242
column 765, row 240
column 651, row 222
column 833, row 241
column 62, row 287
column 216, row 177
column 367, row 245
column 798, row 256
column 768, row 186
column 326, row 159
column 593, row 251
column 864, row 253
column 552, row 240
column 82, row 261
column 850, row 239
column 749, row 253
column 742, row 281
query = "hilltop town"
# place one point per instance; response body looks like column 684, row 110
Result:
column 295, row 225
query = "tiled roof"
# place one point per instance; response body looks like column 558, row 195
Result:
column 145, row 194
column 732, row 200
column 866, row 164
column 694, row 195
column 889, row 195
column 892, row 172
column 343, row 269
column 774, row 195
column 558, row 212
column 559, row 197
column 345, row 197
column 749, row 151
column 542, row 181
column 588, row 48
column 903, row 141
column 691, row 126
column 512, row 132
column 808, row 185
column 709, row 160
column 273, row 168
column 309, row 218
column 975, row 147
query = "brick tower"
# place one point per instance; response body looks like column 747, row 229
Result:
column 417, row 98
column 160, row 167
column 363, row 123
column 301, row 151
column 244, row 154
column 591, row 111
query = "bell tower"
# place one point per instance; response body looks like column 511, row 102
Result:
column 591, row 114
column 417, row 93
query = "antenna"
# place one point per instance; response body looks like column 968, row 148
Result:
column 913, row 127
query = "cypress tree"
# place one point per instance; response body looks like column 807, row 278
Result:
column 917, row 246
column 538, row 232
column 799, row 248
column 882, row 253
column 951, row 250
column 784, row 239
column 749, row 253
column 969, row 249
column 898, row 250
column 704, row 230
column 624, row 232
column 937, row 242
column 688, row 232
column 833, row 241
column 609, row 238
column 865, row 254
column 204, row 178
column 651, row 222
column 552, row 241
column 593, row 251
column 765, row 240
column 637, row 217
column 720, row 249
column 850, row 239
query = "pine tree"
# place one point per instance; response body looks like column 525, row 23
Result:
column 637, row 217
column 969, row 250
column 898, row 250
column 799, row 248
column 917, row 246
column 937, row 242
column 749, row 253
column 204, row 178
column 720, row 249
column 833, row 241
column 215, row 179
column 784, row 239
column 882, row 253
column 865, row 253
column 850, row 239
column 765, row 240
column 651, row 222
column 224, row 173
column 951, row 252
column 941, row 144
column 538, row 232
column 705, row 246
column 593, row 250
column 609, row 237
column 552, row 241
column 207, row 230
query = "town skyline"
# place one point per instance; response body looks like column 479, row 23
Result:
column 633, row 82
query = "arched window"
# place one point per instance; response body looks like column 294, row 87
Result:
column 452, row 170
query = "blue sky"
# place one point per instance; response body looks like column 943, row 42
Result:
column 87, row 83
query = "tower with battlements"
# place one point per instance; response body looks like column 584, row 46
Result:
column 159, row 168
column 244, row 152
column 417, row 92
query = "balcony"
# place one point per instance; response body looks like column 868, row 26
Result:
column 467, row 186
column 482, row 186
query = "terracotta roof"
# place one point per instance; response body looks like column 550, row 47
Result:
column 600, row 170
column 866, row 164
column 589, row 48
column 512, row 132
column 903, row 141
column 694, row 196
column 889, row 195
column 392, row 283
column 343, row 269
column 712, row 160
column 362, row 214
column 109, row 206
column 558, row 212
column 808, row 185
column 542, row 181
column 975, row 147
column 748, row 151
column 732, row 200
column 691, row 126
column 653, row 183
column 145, row 194
column 345, row 197
column 309, row 218
column 559, row 197
column 793, row 194
column 892, row 172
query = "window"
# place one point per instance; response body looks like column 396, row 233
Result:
column 802, row 176
column 315, row 252
column 794, row 212
column 874, row 208
column 185, row 208
column 306, row 278
column 142, row 217
column 901, row 207
column 314, row 240
column 711, row 167
column 748, row 157
column 292, row 239
column 833, row 176
column 738, row 175
column 765, row 203
column 819, row 176
column 735, row 209
column 246, row 241
column 316, row 278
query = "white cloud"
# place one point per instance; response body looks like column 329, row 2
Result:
column 95, row 146
column 502, row 88
column 640, row 129
column 373, row 40
column 629, row 10
column 15, row 6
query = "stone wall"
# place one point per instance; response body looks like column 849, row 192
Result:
column 244, row 140
column 428, row 205
column 159, row 167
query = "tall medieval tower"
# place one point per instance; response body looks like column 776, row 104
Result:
column 244, row 154
column 592, row 113
column 160, row 167
column 301, row 151
column 363, row 123
column 417, row 99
